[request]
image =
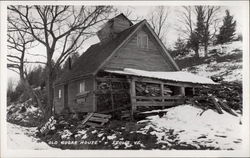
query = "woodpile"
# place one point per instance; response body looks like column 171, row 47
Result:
column 228, row 93
column 211, row 102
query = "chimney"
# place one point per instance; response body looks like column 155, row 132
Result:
column 113, row 27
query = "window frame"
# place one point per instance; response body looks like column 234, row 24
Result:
column 82, row 89
column 59, row 93
column 140, row 41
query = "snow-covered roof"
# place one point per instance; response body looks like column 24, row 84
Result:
column 178, row 76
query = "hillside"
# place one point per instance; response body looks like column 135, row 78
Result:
column 223, row 61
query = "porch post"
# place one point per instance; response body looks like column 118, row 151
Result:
column 132, row 95
column 162, row 94
column 182, row 91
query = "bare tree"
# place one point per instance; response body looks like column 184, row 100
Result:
column 158, row 20
column 18, row 44
column 61, row 30
column 211, row 25
column 187, row 21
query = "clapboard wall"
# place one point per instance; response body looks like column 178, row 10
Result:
column 131, row 56
column 73, row 91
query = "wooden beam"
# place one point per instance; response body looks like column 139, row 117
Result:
column 159, row 81
column 163, row 97
column 132, row 95
column 112, row 79
column 111, row 93
column 94, row 95
column 157, row 103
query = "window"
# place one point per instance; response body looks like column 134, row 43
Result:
column 82, row 87
column 142, row 41
column 59, row 93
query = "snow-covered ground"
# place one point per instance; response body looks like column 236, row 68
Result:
column 19, row 137
column 192, row 126
column 230, row 71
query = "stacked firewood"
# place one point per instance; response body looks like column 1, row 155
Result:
column 225, row 95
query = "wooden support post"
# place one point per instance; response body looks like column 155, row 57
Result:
column 162, row 93
column 132, row 95
column 111, row 95
column 182, row 91
column 94, row 95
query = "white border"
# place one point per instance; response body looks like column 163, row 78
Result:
column 125, row 153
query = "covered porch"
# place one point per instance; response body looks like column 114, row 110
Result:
column 160, row 89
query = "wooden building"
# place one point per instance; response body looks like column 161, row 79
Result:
column 98, row 82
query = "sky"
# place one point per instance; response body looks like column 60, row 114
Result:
column 143, row 12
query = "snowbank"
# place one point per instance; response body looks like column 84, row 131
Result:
column 191, row 126
column 173, row 76
column 19, row 137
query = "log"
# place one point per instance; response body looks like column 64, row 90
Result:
column 217, row 106
column 226, row 108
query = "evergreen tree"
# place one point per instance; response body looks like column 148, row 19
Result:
column 227, row 30
column 180, row 47
column 193, row 43
column 200, row 25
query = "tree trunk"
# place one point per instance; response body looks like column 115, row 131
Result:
column 205, row 49
column 197, row 53
column 49, row 90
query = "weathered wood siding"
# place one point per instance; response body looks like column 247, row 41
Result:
column 120, row 24
column 73, row 90
column 131, row 56
column 58, row 103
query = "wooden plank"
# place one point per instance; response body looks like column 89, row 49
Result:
column 87, row 118
column 165, row 82
column 217, row 106
column 156, row 103
column 98, row 119
column 132, row 94
column 108, row 90
column 162, row 97
column 226, row 108
column 102, row 115
column 93, row 124
column 111, row 79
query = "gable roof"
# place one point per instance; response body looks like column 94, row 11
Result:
column 95, row 57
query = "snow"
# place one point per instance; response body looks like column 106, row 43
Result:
column 65, row 134
column 19, row 137
column 210, row 129
column 230, row 71
column 111, row 137
column 180, row 76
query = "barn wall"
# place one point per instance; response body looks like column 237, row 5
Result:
column 58, row 103
column 73, row 90
column 131, row 56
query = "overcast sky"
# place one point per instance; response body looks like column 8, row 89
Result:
column 143, row 12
